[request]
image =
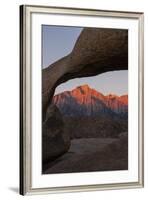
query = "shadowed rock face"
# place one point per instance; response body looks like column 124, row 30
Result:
column 96, row 51
column 55, row 140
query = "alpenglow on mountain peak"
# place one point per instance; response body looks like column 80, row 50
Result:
column 84, row 101
column 83, row 87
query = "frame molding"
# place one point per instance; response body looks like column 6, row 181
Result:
column 25, row 98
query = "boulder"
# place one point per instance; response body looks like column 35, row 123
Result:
column 55, row 141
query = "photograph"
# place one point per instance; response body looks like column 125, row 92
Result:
column 84, row 99
column 81, row 99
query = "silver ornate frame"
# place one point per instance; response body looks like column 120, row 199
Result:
column 25, row 98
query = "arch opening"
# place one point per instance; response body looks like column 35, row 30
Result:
column 84, row 116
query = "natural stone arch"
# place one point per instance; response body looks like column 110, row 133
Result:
column 97, row 50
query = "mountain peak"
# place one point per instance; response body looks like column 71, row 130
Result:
column 83, row 88
column 111, row 96
column 84, row 100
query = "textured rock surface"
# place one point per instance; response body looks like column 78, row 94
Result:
column 96, row 51
column 55, row 140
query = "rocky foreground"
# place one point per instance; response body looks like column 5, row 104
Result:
column 92, row 154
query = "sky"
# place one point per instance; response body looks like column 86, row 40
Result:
column 58, row 41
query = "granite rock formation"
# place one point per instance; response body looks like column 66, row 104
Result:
column 85, row 101
column 97, row 50
column 55, row 140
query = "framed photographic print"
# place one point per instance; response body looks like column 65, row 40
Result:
column 81, row 77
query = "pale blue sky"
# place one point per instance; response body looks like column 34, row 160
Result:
column 58, row 41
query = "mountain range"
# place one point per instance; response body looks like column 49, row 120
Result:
column 85, row 101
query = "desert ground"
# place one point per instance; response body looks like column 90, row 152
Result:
column 92, row 154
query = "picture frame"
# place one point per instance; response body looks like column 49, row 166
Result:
column 30, row 75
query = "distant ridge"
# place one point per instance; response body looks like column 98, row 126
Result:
column 85, row 101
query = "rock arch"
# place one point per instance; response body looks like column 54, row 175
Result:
column 97, row 50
